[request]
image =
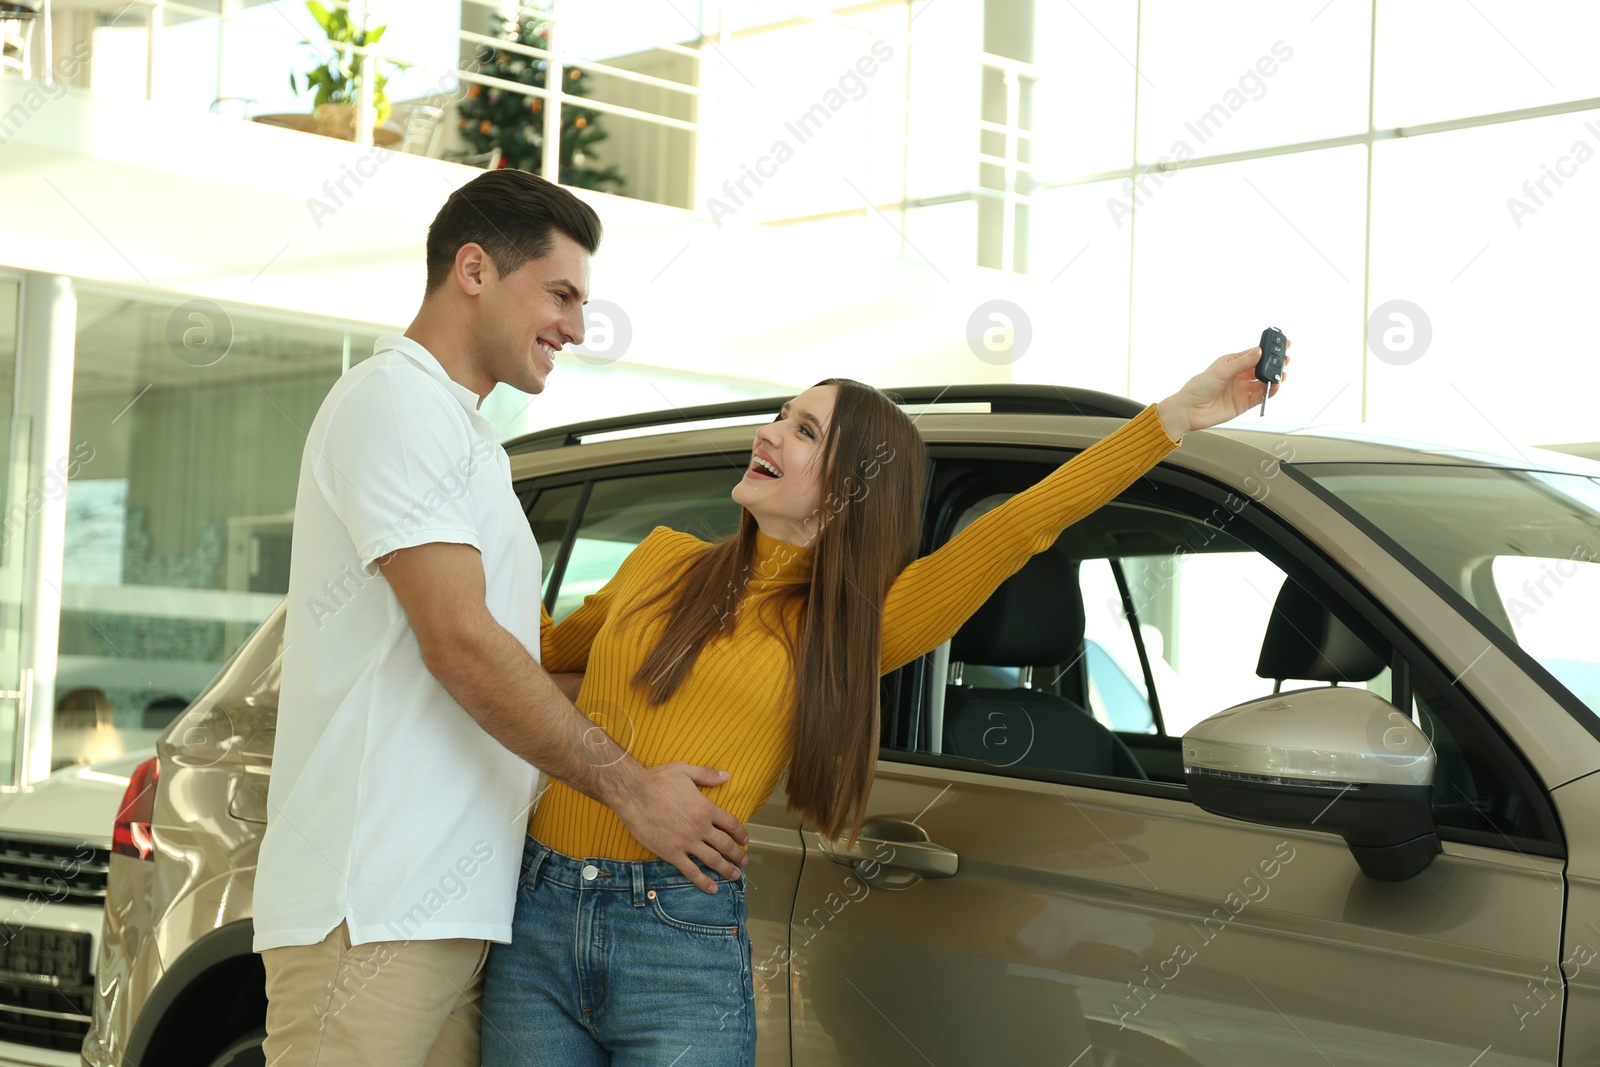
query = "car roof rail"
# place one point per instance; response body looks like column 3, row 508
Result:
column 1003, row 399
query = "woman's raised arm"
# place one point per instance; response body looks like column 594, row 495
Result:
column 932, row 597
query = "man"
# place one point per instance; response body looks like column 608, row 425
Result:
column 413, row 710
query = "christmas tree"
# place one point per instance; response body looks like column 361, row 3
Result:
column 494, row 118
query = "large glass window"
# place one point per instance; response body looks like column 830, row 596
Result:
column 1477, row 242
column 244, row 65
column 943, row 83
column 188, row 423
column 1470, row 235
column 1441, row 60
column 811, row 117
column 866, row 124
column 10, row 295
column 1081, row 327
column 1087, row 51
column 582, row 389
column 1223, row 251
column 14, row 517
column 1249, row 75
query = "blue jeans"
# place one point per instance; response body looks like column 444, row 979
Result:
column 618, row 963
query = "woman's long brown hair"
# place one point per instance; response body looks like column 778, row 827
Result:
column 873, row 469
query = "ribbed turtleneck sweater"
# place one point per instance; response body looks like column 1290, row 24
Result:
column 733, row 709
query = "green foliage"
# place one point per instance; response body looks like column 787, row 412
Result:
column 338, row 80
column 514, row 123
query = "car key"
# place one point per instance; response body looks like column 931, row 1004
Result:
column 1269, row 368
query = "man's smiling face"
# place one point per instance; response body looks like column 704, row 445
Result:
column 532, row 313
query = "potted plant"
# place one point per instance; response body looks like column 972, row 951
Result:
column 337, row 82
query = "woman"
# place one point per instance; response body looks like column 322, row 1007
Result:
column 761, row 655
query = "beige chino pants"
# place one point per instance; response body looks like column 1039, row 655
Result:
column 383, row 1004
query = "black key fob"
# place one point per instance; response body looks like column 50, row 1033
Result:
column 1269, row 368
column 1274, row 347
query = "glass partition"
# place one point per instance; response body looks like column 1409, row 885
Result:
column 14, row 515
column 188, row 424
column 10, row 295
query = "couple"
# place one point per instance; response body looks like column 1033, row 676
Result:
column 404, row 901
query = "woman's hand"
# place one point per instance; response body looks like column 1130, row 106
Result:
column 1222, row 391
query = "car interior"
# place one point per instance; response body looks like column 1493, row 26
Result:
column 1035, row 622
column 1035, row 617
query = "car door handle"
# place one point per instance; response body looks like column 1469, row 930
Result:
column 898, row 846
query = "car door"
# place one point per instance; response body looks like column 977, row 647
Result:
column 1001, row 907
column 586, row 524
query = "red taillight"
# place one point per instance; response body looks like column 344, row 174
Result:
column 130, row 834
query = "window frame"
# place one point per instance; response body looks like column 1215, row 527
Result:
column 530, row 498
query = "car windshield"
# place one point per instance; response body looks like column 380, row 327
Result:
column 1523, row 547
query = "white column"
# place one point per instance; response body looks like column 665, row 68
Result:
column 711, row 77
column 366, row 106
column 157, row 15
column 48, row 50
column 45, row 356
column 228, row 52
column 555, row 82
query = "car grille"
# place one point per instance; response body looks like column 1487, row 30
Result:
column 46, row 991
column 54, row 872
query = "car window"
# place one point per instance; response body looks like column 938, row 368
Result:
column 550, row 517
column 621, row 512
column 1521, row 547
column 1169, row 638
column 1118, row 695
column 1186, row 609
column 1550, row 605
column 1201, row 615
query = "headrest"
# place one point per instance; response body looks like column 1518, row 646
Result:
column 1035, row 617
column 1305, row 640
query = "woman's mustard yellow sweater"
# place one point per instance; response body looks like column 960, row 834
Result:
column 732, row 711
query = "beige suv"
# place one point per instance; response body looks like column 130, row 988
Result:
column 1385, row 850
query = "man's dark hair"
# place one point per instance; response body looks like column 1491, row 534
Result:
column 512, row 216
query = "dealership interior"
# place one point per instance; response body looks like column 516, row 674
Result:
column 1037, row 216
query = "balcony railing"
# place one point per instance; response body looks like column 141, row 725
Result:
column 992, row 162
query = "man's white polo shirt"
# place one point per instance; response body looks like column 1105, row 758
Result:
column 389, row 807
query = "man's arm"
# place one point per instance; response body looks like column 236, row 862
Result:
column 492, row 676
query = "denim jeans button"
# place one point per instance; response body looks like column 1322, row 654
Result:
column 589, row 872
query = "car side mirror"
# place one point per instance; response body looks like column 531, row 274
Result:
column 1338, row 759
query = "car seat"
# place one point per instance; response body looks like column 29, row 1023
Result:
column 1034, row 619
